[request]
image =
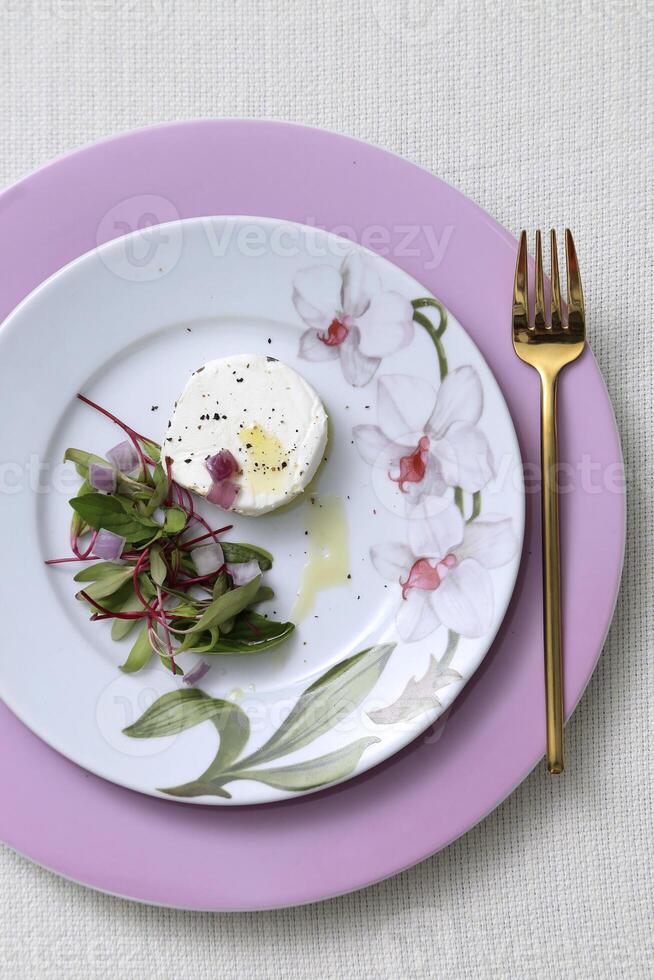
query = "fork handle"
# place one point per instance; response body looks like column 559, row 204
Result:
column 551, row 575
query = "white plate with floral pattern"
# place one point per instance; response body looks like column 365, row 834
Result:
column 423, row 482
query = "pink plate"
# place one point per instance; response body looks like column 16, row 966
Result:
column 438, row 787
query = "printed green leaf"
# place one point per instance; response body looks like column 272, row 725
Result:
column 175, row 712
column 233, row 726
column 179, row 710
column 140, row 653
column 326, row 702
column 237, row 553
column 100, row 511
column 197, row 788
column 311, row 774
column 228, row 605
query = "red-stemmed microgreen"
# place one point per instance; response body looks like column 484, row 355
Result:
column 172, row 599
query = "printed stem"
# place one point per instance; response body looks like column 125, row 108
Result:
column 436, row 338
column 476, row 506
column 436, row 334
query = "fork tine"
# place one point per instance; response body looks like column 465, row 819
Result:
column 555, row 298
column 539, row 300
column 520, row 303
column 576, row 311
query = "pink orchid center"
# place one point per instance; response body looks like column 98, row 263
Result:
column 428, row 573
column 414, row 466
column 336, row 332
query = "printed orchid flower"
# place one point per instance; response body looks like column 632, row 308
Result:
column 426, row 440
column 443, row 573
column 350, row 317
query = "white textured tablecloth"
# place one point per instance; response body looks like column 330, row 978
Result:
column 543, row 113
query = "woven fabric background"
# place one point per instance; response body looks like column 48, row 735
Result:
column 542, row 112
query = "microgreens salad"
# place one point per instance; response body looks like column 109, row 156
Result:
column 148, row 568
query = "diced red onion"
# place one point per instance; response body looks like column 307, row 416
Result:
column 243, row 572
column 223, row 493
column 124, row 457
column 197, row 673
column 102, row 477
column 108, row 545
column 223, row 465
column 159, row 515
column 207, row 559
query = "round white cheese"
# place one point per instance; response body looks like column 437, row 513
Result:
column 264, row 413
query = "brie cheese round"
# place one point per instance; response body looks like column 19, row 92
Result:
column 261, row 411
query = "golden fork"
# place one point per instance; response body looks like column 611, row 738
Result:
column 548, row 347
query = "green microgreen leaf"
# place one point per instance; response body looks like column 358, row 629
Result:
column 151, row 449
column 100, row 569
column 199, row 642
column 221, row 622
column 237, row 553
column 221, row 585
column 185, row 610
column 263, row 595
column 160, row 491
column 83, row 460
column 168, row 664
column 228, row 605
column 175, row 520
column 140, row 653
column 251, row 633
column 77, row 525
column 158, row 568
column 110, row 512
column 109, row 584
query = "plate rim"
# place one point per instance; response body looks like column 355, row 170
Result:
column 418, row 726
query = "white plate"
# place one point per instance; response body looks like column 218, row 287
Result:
column 126, row 324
